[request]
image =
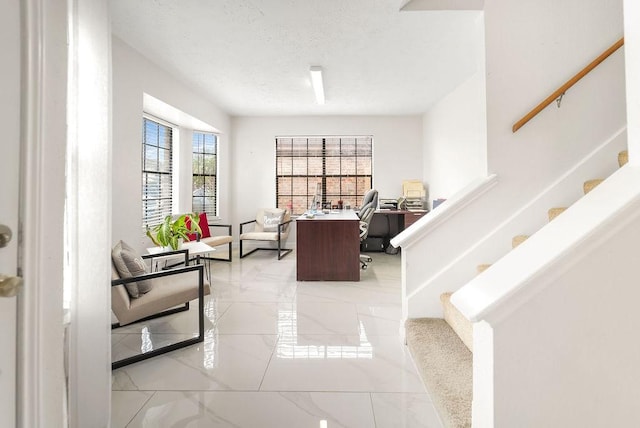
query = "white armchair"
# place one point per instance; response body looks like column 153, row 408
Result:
column 137, row 294
column 270, row 225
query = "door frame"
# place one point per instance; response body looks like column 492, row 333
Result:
column 60, row 382
column 89, row 213
column 40, row 370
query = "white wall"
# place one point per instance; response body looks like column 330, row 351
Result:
column 568, row 357
column 133, row 76
column 632, row 62
column 455, row 131
column 531, row 49
column 455, row 143
column 397, row 152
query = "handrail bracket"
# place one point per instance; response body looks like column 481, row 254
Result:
column 559, row 93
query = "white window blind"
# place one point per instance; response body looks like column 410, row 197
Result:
column 204, row 167
column 157, row 142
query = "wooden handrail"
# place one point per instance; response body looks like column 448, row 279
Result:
column 519, row 124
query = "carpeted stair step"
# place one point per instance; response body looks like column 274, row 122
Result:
column 518, row 239
column 555, row 212
column 482, row 268
column 623, row 157
column 591, row 184
column 458, row 322
column 446, row 368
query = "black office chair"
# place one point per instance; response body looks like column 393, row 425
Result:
column 367, row 209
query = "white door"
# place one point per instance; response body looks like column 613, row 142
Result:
column 9, row 173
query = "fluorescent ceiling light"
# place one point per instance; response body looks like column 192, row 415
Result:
column 316, row 82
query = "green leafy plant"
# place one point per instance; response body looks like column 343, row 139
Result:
column 170, row 231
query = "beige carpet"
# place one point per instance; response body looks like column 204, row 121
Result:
column 458, row 322
column 445, row 365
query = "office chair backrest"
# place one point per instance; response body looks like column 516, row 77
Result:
column 370, row 199
column 368, row 208
column 365, row 221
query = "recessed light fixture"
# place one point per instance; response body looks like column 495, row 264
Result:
column 316, row 82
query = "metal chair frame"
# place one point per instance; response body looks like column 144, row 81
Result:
column 159, row 274
column 281, row 251
column 230, row 258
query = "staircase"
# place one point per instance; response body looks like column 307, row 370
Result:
column 442, row 348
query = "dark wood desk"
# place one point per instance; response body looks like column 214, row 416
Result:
column 328, row 247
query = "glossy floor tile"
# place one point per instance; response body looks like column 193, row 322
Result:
column 128, row 404
column 277, row 353
column 256, row 409
column 404, row 410
column 222, row 362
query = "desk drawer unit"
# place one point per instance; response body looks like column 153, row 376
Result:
column 412, row 216
column 328, row 250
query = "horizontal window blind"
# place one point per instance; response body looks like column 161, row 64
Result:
column 205, row 168
column 157, row 159
column 340, row 166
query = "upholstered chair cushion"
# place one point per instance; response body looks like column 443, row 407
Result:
column 128, row 263
column 214, row 241
column 260, row 234
column 168, row 291
column 259, row 225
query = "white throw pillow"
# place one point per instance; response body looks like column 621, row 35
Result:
column 271, row 220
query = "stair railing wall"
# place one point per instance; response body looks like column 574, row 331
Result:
column 561, row 310
column 559, row 93
column 437, row 260
column 419, row 260
column 445, row 211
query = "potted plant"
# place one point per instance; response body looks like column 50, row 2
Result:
column 170, row 231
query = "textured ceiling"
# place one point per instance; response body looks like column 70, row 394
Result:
column 252, row 57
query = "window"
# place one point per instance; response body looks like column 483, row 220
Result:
column 156, row 172
column 205, row 166
column 341, row 165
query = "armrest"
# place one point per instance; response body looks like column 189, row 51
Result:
column 245, row 223
column 228, row 226
column 158, row 274
column 168, row 253
column 281, row 227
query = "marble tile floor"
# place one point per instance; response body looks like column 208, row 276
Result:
column 277, row 353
